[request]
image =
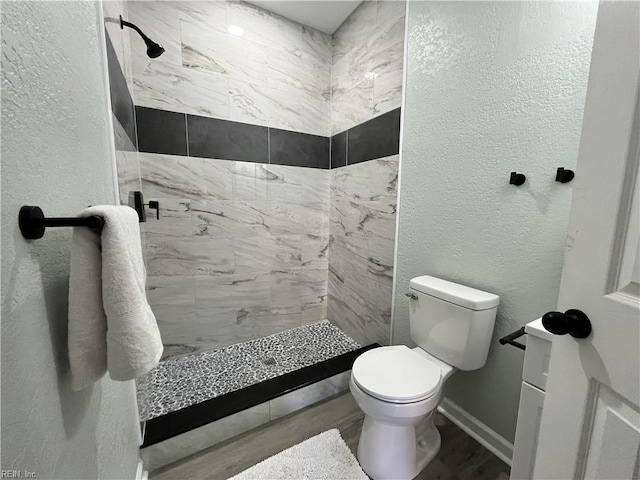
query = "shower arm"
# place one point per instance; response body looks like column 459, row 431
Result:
column 154, row 49
column 124, row 23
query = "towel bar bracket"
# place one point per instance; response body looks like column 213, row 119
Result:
column 510, row 339
column 33, row 223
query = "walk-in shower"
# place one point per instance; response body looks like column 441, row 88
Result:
column 273, row 154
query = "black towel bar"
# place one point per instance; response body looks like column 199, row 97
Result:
column 33, row 222
column 510, row 339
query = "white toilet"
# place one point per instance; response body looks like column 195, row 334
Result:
column 399, row 388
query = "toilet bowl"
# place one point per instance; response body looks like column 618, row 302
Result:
column 399, row 388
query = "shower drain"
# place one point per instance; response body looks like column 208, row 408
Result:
column 269, row 361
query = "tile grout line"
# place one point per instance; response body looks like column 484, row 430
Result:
column 186, row 132
column 330, row 152
column 135, row 128
column 346, row 147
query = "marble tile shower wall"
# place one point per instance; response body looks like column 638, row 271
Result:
column 277, row 74
column 366, row 87
column 240, row 250
column 362, row 225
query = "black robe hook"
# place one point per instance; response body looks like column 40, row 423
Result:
column 517, row 179
column 564, row 175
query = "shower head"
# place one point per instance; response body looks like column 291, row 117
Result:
column 154, row 50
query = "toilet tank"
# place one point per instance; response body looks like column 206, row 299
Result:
column 452, row 322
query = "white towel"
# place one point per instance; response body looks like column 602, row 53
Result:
column 111, row 326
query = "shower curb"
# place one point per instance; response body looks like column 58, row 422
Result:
column 189, row 418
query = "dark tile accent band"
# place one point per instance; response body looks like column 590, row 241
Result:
column 339, row 150
column 121, row 101
column 376, row 138
column 226, row 140
column 298, row 149
column 189, row 418
column 160, row 131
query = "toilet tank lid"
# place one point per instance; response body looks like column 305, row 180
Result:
column 461, row 295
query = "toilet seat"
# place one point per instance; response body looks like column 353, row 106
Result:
column 396, row 374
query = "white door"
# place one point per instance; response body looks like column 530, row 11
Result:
column 591, row 417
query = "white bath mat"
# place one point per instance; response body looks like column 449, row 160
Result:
column 324, row 456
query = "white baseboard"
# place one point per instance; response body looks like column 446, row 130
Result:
column 488, row 438
column 140, row 472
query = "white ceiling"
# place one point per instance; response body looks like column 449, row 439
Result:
column 323, row 15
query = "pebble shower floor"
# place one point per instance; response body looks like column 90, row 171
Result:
column 185, row 381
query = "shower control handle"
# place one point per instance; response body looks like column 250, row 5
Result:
column 155, row 205
column 574, row 322
column 412, row 296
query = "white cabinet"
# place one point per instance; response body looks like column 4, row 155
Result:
column 534, row 382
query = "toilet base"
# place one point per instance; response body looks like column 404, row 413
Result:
column 428, row 445
column 394, row 452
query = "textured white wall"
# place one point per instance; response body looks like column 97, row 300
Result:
column 57, row 153
column 492, row 87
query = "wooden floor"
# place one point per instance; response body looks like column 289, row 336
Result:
column 460, row 457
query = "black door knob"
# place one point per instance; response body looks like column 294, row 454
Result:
column 574, row 322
